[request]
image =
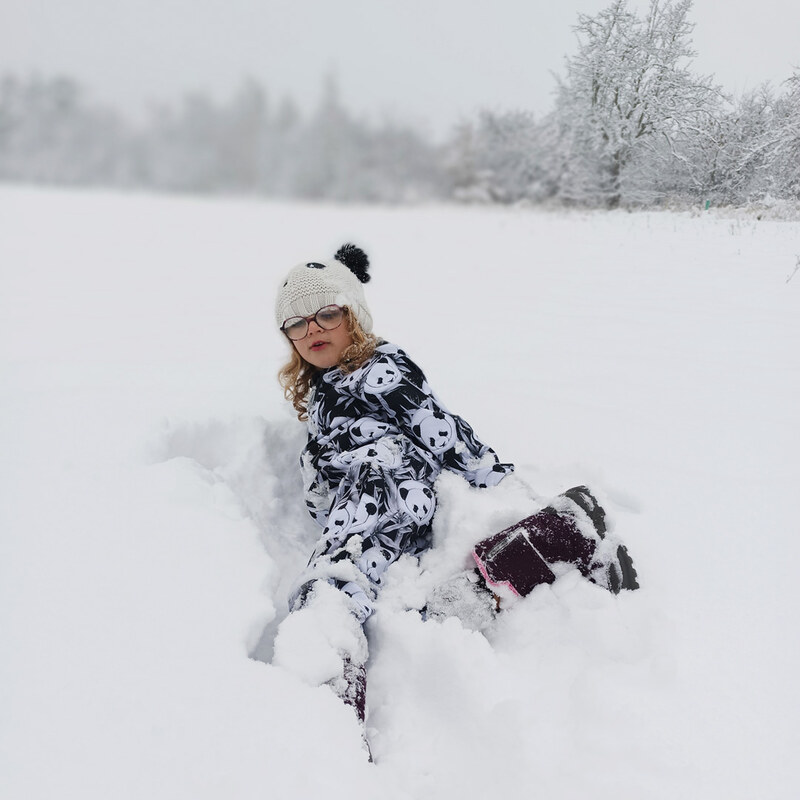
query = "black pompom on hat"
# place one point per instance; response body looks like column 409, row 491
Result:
column 313, row 285
column 355, row 259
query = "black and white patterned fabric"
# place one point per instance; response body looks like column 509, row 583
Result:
column 378, row 439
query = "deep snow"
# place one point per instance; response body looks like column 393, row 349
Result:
column 150, row 518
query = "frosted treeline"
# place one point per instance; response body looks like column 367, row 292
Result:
column 631, row 126
column 51, row 133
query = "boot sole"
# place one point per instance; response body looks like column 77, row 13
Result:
column 625, row 577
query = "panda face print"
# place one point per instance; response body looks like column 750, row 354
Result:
column 417, row 500
column 365, row 516
column 342, row 381
column 382, row 376
column 489, row 476
column 374, row 562
column 380, row 453
column 368, row 429
column 350, row 517
column 339, row 522
column 435, row 429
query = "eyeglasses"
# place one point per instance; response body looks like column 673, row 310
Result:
column 328, row 318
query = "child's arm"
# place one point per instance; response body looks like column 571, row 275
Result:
column 398, row 385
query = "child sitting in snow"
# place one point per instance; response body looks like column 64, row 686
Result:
column 378, row 438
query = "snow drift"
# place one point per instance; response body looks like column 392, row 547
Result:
column 151, row 520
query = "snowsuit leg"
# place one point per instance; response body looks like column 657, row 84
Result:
column 379, row 512
column 383, row 507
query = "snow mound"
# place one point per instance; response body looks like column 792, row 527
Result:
column 151, row 518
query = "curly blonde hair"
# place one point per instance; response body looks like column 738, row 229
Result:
column 296, row 376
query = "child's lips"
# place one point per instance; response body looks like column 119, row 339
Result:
column 317, row 345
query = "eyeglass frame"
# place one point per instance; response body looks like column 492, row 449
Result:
column 313, row 317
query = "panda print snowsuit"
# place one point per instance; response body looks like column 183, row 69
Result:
column 378, row 439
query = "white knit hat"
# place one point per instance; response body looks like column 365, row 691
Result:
column 311, row 286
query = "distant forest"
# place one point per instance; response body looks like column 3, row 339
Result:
column 632, row 126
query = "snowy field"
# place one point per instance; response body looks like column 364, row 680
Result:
column 150, row 513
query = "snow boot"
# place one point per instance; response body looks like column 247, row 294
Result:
column 572, row 530
column 351, row 687
column 509, row 561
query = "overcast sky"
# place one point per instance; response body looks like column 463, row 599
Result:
column 430, row 62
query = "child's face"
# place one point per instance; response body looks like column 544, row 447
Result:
column 323, row 348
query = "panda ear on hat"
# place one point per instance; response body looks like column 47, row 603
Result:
column 355, row 259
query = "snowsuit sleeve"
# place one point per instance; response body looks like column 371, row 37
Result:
column 394, row 382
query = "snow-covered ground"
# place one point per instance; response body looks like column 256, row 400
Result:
column 150, row 514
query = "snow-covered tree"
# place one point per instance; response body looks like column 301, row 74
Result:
column 339, row 157
column 327, row 149
column 741, row 161
column 243, row 137
column 627, row 88
column 49, row 133
column 786, row 166
column 501, row 159
column 748, row 151
column 181, row 145
column 278, row 151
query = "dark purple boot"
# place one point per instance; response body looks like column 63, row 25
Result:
column 351, row 688
column 570, row 531
column 518, row 557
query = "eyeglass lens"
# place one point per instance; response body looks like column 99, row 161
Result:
column 327, row 318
